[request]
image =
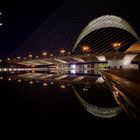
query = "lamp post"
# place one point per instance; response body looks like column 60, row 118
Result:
column 30, row 56
column 116, row 46
column 44, row 54
column 85, row 49
column 18, row 58
column 8, row 59
column 62, row 51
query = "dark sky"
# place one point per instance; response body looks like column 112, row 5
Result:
column 20, row 19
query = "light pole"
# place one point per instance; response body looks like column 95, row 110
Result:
column 44, row 54
column 62, row 51
column 18, row 58
column 85, row 49
column 8, row 59
column 116, row 46
column 30, row 56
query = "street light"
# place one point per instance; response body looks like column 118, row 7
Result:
column 62, row 51
column 44, row 54
column 85, row 49
column 116, row 46
column 8, row 59
column 18, row 57
column 30, row 56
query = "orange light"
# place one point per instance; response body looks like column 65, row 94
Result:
column 116, row 45
column 85, row 48
column 62, row 51
column 44, row 53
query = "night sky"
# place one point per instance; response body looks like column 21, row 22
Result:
column 20, row 19
column 61, row 27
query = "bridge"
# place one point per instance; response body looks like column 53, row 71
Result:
column 72, row 58
column 114, row 55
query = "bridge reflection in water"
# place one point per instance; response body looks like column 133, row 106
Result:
column 98, row 92
column 61, row 102
column 90, row 89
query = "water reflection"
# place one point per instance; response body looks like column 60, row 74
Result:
column 98, row 111
column 90, row 89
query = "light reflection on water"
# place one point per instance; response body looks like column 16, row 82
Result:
column 57, row 103
column 84, row 86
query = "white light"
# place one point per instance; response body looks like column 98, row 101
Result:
column 19, row 80
column 5, row 69
column 73, row 71
column 85, row 71
column 31, row 82
column 44, row 84
column 9, row 79
column 73, row 66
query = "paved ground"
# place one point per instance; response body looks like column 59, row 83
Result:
column 132, row 75
column 127, row 81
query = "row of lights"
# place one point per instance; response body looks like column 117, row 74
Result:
column 45, row 54
column 16, row 69
column 85, row 48
column 30, row 56
column 62, row 86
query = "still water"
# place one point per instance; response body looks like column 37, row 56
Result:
column 52, row 104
